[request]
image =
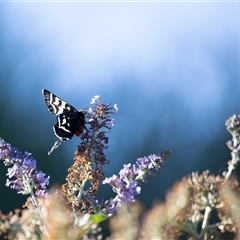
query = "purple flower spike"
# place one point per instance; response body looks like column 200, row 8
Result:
column 23, row 175
column 126, row 183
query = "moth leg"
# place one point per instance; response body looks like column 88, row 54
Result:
column 55, row 145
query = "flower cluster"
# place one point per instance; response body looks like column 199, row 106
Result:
column 127, row 183
column 23, row 175
column 200, row 206
column 164, row 220
column 90, row 157
column 233, row 126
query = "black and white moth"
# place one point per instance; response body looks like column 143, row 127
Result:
column 69, row 120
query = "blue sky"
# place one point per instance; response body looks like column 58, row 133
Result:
column 161, row 44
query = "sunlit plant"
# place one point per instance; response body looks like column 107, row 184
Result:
column 73, row 211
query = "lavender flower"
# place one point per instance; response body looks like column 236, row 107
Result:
column 126, row 184
column 23, row 175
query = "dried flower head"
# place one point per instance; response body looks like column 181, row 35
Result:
column 90, row 157
column 56, row 222
column 128, row 215
column 233, row 126
column 165, row 220
column 230, row 212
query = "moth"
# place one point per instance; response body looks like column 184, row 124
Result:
column 70, row 121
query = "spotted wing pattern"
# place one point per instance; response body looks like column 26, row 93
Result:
column 55, row 104
column 69, row 120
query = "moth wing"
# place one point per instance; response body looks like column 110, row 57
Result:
column 55, row 104
column 63, row 127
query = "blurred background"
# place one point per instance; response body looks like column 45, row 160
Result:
column 172, row 68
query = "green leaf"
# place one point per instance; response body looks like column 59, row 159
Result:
column 99, row 217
